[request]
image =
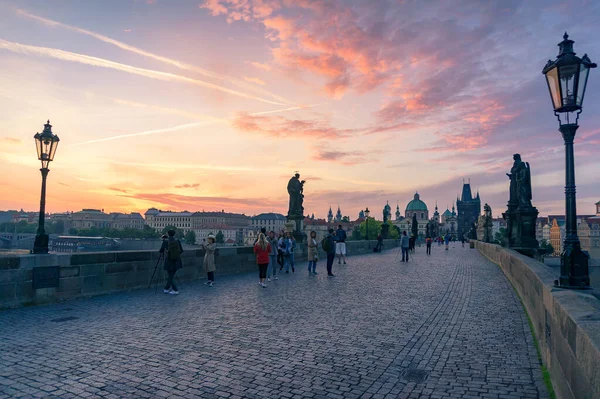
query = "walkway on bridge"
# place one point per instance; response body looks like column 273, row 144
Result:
column 442, row 326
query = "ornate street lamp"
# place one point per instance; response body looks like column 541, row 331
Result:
column 567, row 78
column 46, row 144
column 367, row 213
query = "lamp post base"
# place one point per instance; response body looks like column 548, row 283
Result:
column 40, row 246
column 574, row 272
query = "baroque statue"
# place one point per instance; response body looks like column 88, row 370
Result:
column 295, row 189
column 520, row 183
column 520, row 215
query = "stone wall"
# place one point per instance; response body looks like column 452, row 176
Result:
column 566, row 322
column 71, row 275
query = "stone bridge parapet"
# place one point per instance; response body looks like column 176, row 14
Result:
column 566, row 322
column 36, row 279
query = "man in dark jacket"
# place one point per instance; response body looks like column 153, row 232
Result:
column 173, row 249
column 330, row 249
column 404, row 243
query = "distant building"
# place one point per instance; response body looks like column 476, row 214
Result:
column 416, row 207
column 158, row 220
column 497, row 224
column 91, row 218
column 338, row 215
column 330, row 216
column 270, row 221
column 132, row 220
column 469, row 209
column 449, row 224
column 589, row 234
column 234, row 226
column 556, row 237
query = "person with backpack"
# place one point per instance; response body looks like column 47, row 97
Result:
column 340, row 245
column 262, row 249
column 173, row 249
column 209, row 259
column 328, row 245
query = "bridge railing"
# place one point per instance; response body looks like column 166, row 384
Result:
column 30, row 279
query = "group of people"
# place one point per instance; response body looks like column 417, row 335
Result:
column 276, row 252
column 172, row 249
column 272, row 251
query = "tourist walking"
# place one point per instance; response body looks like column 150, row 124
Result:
column 173, row 262
column 428, row 243
column 313, row 253
column 447, row 241
column 292, row 242
column 209, row 259
column 405, row 245
column 285, row 246
column 379, row 245
column 328, row 245
column 262, row 249
column 340, row 244
column 462, row 240
column 272, row 269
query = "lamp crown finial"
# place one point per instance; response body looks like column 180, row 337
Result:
column 566, row 35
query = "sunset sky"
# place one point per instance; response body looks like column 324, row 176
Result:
column 210, row 105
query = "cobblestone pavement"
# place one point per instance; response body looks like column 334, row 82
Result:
column 444, row 326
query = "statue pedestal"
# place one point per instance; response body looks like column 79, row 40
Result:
column 385, row 231
column 295, row 225
column 520, row 223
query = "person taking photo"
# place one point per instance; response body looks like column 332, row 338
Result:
column 173, row 249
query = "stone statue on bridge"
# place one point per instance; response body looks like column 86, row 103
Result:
column 295, row 189
column 520, row 215
column 520, row 183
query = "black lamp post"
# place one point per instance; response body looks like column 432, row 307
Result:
column 46, row 144
column 567, row 78
column 367, row 213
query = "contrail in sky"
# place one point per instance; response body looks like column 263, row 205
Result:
column 156, row 131
column 136, row 50
column 103, row 63
column 187, row 126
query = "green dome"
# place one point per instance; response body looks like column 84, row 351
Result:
column 416, row 204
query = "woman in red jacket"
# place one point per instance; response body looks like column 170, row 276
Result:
column 262, row 248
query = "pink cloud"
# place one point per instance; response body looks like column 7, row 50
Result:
column 278, row 126
column 344, row 157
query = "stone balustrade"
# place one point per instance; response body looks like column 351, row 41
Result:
column 566, row 322
column 36, row 279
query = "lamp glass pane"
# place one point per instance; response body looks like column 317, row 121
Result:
column 568, row 77
column 583, row 76
column 38, row 147
column 552, row 78
column 53, row 149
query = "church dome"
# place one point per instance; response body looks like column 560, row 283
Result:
column 447, row 213
column 416, row 204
